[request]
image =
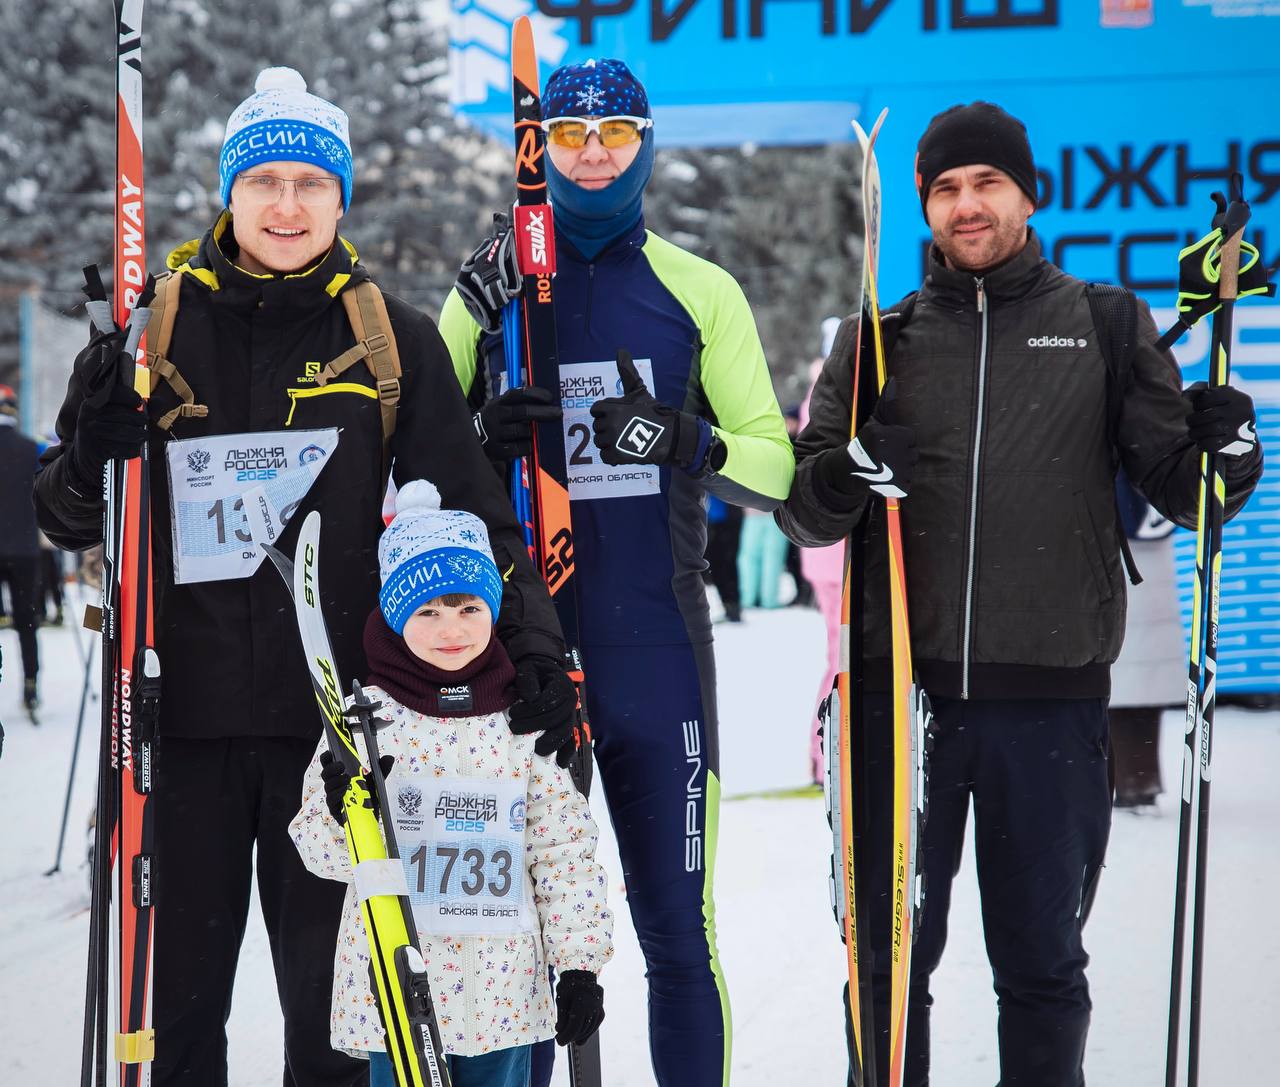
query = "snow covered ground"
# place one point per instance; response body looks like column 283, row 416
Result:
column 778, row 941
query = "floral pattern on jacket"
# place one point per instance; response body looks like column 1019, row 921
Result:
column 490, row 992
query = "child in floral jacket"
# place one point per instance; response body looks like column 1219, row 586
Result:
column 498, row 846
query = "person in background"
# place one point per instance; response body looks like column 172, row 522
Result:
column 19, row 540
column 1150, row 675
column 823, row 569
column 762, row 557
column 724, row 533
column 51, row 579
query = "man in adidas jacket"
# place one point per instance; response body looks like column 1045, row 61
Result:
column 260, row 315
column 996, row 427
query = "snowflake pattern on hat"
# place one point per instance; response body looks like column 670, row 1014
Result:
column 281, row 121
column 597, row 88
column 427, row 552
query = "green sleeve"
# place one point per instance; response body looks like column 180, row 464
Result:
column 461, row 335
column 733, row 377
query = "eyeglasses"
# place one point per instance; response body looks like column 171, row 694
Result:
column 613, row 131
column 266, row 189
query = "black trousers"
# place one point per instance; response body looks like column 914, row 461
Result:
column 1036, row 773
column 51, row 576
column 22, row 573
column 215, row 800
column 722, row 556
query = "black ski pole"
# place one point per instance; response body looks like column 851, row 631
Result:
column 1202, row 676
column 1220, row 374
column 85, row 686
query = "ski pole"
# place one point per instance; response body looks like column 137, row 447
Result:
column 75, row 754
column 1202, row 671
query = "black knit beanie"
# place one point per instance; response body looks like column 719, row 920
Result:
column 968, row 135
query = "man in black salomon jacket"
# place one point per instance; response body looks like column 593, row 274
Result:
column 996, row 426
column 260, row 316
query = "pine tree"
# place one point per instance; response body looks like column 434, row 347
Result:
column 785, row 222
column 425, row 185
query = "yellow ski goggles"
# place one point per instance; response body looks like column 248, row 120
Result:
column 573, row 132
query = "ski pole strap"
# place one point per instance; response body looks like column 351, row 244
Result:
column 1205, row 270
column 383, row 876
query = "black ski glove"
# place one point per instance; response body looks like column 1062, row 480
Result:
column 110, row 423
column 547, row 703
column 490, row 277
column 505, row 423
column 336, row 780
column 1221, row 420
column 579, row 1007
column 882, row 459
column 634, row 428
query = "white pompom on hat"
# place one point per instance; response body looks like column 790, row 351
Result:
column 280, row 79
column 427, row 552
column 282, row 122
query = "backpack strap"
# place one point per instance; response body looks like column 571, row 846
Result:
column 1115, row 316
column 376, row 345
column 164, row 313
column 894, row 319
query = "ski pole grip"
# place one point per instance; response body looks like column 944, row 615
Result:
column 100, row 315
column 1229, row 277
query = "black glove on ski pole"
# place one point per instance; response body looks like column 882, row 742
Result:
column 881, row 459
column 110, row 423
column 547, row 703
column 579, row 1007
column 505, row 423
column 336, row 782
column 1221, row 420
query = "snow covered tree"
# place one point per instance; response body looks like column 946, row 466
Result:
column 424, row 184
column 785, row 221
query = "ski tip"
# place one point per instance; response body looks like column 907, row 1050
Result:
column 280, row 561
column 865, row 139
column 524, row 58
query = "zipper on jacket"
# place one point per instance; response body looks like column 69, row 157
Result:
column 970, row 561
column 591, row 275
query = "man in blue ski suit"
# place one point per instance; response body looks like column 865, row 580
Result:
column 701, row 390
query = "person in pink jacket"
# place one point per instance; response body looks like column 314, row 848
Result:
column 823, row 568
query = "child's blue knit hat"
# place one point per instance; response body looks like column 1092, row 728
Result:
column 427, row 552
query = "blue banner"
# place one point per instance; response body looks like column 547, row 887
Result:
column 1137, row 111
